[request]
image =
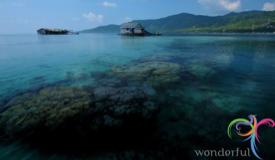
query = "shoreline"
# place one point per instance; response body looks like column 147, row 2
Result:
column 219, row 34
column 162, row 34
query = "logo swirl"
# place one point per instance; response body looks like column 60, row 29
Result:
column 252, row 135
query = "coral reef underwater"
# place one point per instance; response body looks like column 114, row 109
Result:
column 153, row 73
column 147, row 109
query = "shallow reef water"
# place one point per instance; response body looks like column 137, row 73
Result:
column 107, row 97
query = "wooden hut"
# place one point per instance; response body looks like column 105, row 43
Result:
column 132, row 28
column 47, row 31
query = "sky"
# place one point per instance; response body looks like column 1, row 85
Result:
column 26, row 16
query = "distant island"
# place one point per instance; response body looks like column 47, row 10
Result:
column 243, row 22
column 47, row 31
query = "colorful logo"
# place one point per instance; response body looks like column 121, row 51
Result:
column 252, row 133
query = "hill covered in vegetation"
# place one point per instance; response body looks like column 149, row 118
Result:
column 243, row 22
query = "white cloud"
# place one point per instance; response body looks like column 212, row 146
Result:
column 128, row 19
column 92, row 17
column 230, row 5
column 221, row 5
column 109, row 4
column 268, row 6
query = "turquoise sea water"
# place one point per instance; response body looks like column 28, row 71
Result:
column 30, row 60
column 222, row 78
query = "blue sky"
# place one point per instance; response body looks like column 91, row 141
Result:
column 25, row 16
